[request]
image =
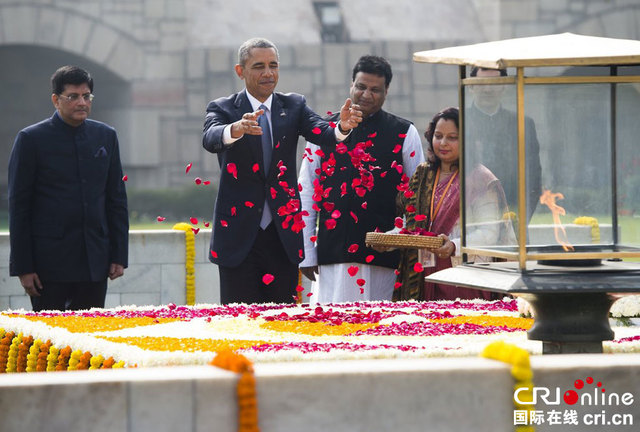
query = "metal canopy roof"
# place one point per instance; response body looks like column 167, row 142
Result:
column 566, row 49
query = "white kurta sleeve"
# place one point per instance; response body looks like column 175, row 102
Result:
column 412, row 146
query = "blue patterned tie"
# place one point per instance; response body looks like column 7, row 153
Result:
column 267, row 148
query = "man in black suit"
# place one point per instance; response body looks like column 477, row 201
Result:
column 68, row 219
column 495, row 140
column 257, row 230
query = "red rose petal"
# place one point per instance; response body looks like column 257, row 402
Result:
column 313, row 239
column 398, row 222
column 332, row 124
column 194, row 221
column 300, row 253
column 309, row 294
column 214, row 254
column 418, row 267
column 352, row 270
column 410, row 208
column 206, row 224
column 125, row 177
column 186, row 170
column 233, row 211
column 373, row 135
column 224, row 223
column 256, row 167
column 397, row 285
column 402, row 135
column 361, row 282
column 330, row 224
column 267, row 278
column 336, row 214
column 328, row 206
column 273, row 193
column 420, row 217
column 397, row 148
column 206, row 182
column 248, row 204
column 361, row 290
column 195, row 230
column 197, row 180
column 412, row 154
column 299, row 288
column 369, row 258
column 354, row 216
column 364, row 205
column 353, row 248
column 160, row 218
column 231, row 169
column 316, row 131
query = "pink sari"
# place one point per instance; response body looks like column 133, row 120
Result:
column 443, row 223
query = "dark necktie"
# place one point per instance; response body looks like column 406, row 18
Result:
column 267, row 149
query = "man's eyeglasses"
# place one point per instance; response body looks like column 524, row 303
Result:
column 74, row 97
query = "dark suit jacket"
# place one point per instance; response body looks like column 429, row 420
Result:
column 290, row 118
column 67, row 202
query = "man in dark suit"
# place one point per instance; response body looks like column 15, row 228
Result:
column 495, row 139
column 68, row 217
column 257, row 238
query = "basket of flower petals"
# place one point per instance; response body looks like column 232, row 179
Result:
column 419, row 238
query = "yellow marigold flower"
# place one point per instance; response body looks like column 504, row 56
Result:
column 595, row 227
column 96, row 362
column 74, row 359
column 118, row 365
column 52, row 358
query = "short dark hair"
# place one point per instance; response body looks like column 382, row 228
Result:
column 70, row 75
column 375, row 65
column 248, row 45
column 475, row 69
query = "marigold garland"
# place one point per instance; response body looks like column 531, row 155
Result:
column 12, row 357
column 74, row 359
column 32, row 357
column 245, row 390
column 521, row 371
column 4, row 350
column 52, row 359
column 96, row 362
column 595, row 227
column 23, row 352
column 63, row 359
column 41, row 363
column 190, row 257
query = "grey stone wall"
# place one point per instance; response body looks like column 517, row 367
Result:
column 158, row 62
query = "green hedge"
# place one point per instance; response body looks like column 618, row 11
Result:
column 173, row 204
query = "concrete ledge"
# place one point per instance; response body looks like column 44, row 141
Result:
column 156, row 273
column 452, row 394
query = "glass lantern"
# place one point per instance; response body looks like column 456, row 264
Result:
column 551, row 165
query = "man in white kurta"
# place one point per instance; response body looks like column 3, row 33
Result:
column 337, row 278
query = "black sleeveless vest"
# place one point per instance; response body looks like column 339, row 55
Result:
column 361, row 181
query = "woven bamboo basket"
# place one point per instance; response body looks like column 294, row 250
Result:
column 407, row 241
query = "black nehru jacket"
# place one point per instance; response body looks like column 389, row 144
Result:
column 387, row 133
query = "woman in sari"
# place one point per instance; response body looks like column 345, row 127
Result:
column 436, row 199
